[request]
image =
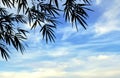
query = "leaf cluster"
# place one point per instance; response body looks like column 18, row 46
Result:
column 42, row 13
column 9, row 34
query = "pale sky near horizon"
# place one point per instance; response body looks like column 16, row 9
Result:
column 91, row 53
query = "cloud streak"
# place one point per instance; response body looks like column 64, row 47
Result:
column 109, row 21
column 90, row 67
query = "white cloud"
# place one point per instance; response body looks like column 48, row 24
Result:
column 100, row 57
column 109, row 21
column 104, row 28
column 34, row 38
column 98, row 2
column 92, row 66
column 67, row 32
column 58, row 52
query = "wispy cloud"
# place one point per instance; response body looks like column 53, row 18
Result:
column 98, row 2
column 109, row 21
column 91, row 66
column 67, row 32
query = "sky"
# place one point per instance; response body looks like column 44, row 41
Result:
column 91, row 53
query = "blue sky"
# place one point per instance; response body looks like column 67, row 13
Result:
column 91, row 53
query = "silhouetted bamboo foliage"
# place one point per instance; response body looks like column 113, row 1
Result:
column 42, row 13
